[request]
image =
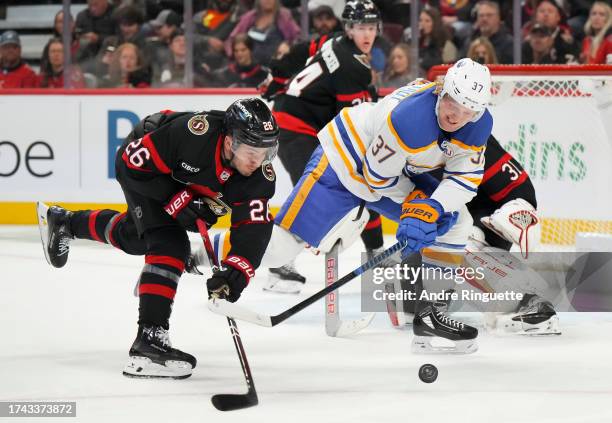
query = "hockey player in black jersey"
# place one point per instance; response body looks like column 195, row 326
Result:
column 310, row 86
column 175, row 168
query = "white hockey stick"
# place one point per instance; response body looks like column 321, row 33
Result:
column 232, row 310
column 333, row 325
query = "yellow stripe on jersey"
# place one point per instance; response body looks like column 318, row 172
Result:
column 348, row 120
column 302, row 194
column 465, row 146
column 475, row 181
column 369, row 179
column 403, row 144
column 345, row 159
column 448, row 259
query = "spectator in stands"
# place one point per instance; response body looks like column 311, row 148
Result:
column 597, row 45
column 52, row 68
column 171, row 71
column 267, row 25
column 243, row 71
column 282, row 49
column 14, row 73
column 99, row 67
column 165, row 24
column 130, row 19
column 127, row 69
column 482, row 51
column 539, row 47
column 337, row 6
column 157, row 47
column 217, row 22
column 58, row 30
column 579, row 14
column 550, row 14
column 455, row 16
column 213, row 27
column 489, row 24
column 397, row 72
column 324, row 22
column 435, row 47
column 93, row 25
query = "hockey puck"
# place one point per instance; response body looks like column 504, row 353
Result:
column 428, row 373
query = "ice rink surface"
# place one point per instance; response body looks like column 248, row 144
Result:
column 66, row 334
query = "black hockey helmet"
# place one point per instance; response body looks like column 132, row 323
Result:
column 249, row 121
column 360, row 11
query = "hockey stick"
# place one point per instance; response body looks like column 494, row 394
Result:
column 228, row 402
column 231, row 310
column 333, row 325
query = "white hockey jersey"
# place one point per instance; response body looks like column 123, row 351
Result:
column 374, row 148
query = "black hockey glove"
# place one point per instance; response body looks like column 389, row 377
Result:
column 231, row 281
column 186, row 208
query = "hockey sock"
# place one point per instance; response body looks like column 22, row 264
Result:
column 164, row 265
column 372, row 235
column 96, row 225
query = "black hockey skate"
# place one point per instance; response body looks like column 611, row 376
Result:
column 55, row 234
column 432, row 322
column 534, row 316
column 152, row 356
column 285, row 280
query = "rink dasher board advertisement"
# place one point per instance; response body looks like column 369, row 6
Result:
column 61, row 147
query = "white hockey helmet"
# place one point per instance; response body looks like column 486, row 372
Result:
column 469, row 84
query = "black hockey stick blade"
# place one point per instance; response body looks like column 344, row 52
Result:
column 230, row 402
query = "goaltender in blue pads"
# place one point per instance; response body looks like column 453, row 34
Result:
column 370, row 152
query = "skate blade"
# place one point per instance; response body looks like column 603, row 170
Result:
column 438, row 345
column 43, row 227
column 508, row 327
column 143, row 367
column 282, row 286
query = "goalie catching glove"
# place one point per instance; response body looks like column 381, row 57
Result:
column 186, row 208
column 229, row 282
column 517, row 222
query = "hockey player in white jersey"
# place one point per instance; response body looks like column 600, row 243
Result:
column 368, row 154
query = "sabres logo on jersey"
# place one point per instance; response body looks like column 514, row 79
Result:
column 445, row 146
column 198, row 125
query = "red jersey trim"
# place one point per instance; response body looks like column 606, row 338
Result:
column 223, row 173
column 157, row 160
column 293, row 124
column 154, row 289
column 491, row 171
column 167, row 260
column 350, row 97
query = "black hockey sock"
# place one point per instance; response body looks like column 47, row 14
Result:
column 164, row 265
column 372, row 235
column 96, row 225
column 154, row 310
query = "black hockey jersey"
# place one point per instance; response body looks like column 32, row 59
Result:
column 337, row 76
column 185, row 149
